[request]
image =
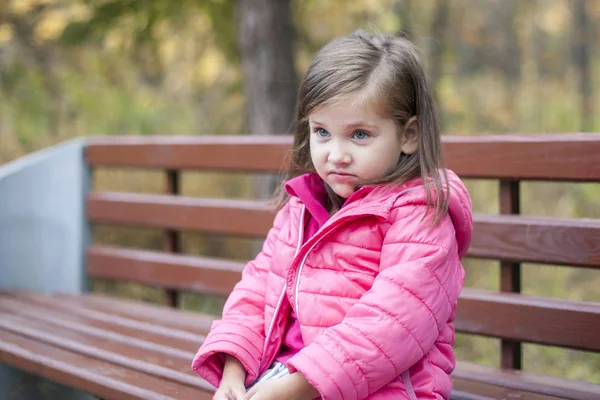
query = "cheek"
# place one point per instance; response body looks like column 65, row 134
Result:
column 391, row 161
column 380, row 163
column 316, row 153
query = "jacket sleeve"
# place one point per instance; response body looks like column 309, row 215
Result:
column 398, row 320
column 240, row 332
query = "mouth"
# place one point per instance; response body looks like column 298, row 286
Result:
column 341, row 177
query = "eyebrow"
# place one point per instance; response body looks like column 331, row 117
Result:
column 352, row 125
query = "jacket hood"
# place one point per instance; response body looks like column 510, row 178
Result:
column 460, row 210
column 459, row 205
column 310, row 190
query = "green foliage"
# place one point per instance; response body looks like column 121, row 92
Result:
column 142, row 17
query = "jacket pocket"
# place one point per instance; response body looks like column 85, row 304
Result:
column 408, row 385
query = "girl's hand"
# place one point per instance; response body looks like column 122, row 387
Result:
column 291, row 387
column 233, row 390
column 232, row 384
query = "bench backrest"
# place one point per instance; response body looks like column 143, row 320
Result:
column 508, row 236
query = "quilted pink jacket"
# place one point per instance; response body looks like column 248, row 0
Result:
column 375, row 292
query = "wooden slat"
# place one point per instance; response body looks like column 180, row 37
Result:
column 569, row 157
column 226, row 153
column 513, row 238
column 529, row 239
column 91, row 375
column 223, row 216
column 140, row 337
column 174, row 271
column 91, row 304
column 465, row 389
column 545, row 240
column 170, row 367
column 532, row 319
column 513, row 157
column 71, row 305
column 527, row 381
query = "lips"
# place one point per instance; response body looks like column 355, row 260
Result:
column 341, row 177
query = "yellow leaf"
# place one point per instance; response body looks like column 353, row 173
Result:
column 51, row 25
column 6, row 33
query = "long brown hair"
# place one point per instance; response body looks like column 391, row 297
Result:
column 387, row 70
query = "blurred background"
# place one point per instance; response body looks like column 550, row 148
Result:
column 71, row 68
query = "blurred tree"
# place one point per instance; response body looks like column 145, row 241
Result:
column 23, row 25
column 403, row 8
column 488, row 39
column 581, row 42
column 439, row 33
column 145, row 18
column 266, row 38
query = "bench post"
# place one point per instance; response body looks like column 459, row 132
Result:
column 510, row 272
column 172, row 237
column 43, row 235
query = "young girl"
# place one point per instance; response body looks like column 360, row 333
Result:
column 354, row 292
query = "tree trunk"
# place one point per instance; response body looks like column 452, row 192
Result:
column 266, row 38
column 581, row 38
column 403, row 8
column 439, row 29
column 437, row 45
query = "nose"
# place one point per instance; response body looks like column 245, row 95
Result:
column 338, row 156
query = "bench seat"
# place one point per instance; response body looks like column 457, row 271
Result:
column 122, row 349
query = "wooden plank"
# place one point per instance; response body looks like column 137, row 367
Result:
column 173, row 271
column 91, row 375
column 172, row 367
column 72, row 306
column 47, row 313
column 154, row 315
column 563, row 157
column 531, row 239
column 574, row 156
column 532, row 319
column 465, row 389
column 222, row 216
column 527, row 381
column 225, row 153
column 512, row 238
column 545, row 240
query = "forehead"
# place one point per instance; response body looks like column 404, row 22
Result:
column 349, row 108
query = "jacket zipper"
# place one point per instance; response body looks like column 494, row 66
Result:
column 332, row 228
column 410, row 390
column 282, row 295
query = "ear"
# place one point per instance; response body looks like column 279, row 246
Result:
column 410, row 136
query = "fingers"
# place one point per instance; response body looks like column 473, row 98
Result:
column 230, row 394
column 237, row 394
column 253, row 390
column 222, row 396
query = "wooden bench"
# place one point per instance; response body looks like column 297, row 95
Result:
column 121, row 349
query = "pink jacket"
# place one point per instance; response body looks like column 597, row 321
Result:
column 375, row 292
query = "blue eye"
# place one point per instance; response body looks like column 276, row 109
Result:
column 321, row 132
column 361, row 135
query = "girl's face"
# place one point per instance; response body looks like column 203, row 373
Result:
column 351, row 142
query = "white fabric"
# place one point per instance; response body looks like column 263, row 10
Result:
column 277, row 370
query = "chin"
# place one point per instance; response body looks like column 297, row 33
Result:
column 344, row 192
